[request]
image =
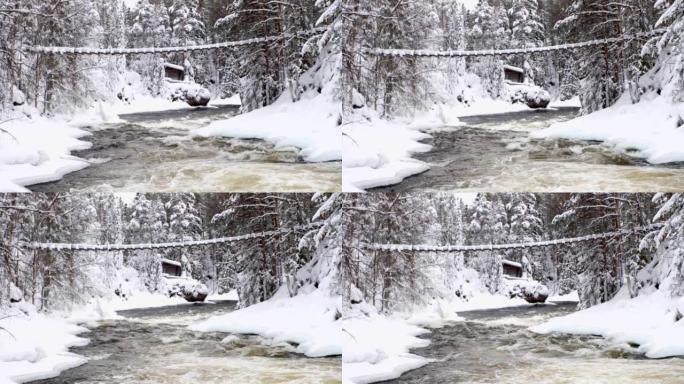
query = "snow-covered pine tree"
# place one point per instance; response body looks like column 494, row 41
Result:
column 666, row 271
column 608, row 72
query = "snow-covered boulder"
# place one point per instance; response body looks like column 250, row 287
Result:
column 15, row 294
column 530, row 290
column 532, row 95
column 18, row 97
column 193, row 94
column 189, row 289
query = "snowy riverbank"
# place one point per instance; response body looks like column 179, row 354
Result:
column 377, row 347
column 651, row 323
column 36, row 149
column 650, row 129
column 378, row 152
column 310, row 124
column 35, row 345
column 309, row 319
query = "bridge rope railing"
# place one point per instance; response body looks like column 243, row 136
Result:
column 155, row 50
column 167, row 245
column 493, row 247
column 507, row 52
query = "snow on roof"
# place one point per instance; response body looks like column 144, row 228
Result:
column 514, row 69
column 511, row 263
column 174, row 66
column 172, row 262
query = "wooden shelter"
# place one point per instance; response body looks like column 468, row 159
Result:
column 512, row 269
column 514, row 74
column 171, row 268
column 174, row 72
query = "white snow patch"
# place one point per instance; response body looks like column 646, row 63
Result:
column 232, row 296
column 376, row 348
column 34, row 346
column 649, row 320
column 378, row 152
column 647, row 129
column 37, row 150
column 571, row 296
column 310, row 124
column 307, row 319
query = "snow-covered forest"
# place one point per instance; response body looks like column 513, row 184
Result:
column 50, row 279
column 260, row 73
column 291, row 274
column 403, row 286
column 633, row 81
column 281, row 62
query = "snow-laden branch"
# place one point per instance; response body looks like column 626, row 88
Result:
column 153, row 50
column 505, row 52
column 180, row 244
column 492, row 247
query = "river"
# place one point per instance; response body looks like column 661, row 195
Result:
column 154, row 345
column 495, row 153
column 494, row 346
column 155, row 152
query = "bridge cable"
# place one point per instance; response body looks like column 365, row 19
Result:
column 180, row 244
column 152, row 50
column 490, row 247
column 506, row 52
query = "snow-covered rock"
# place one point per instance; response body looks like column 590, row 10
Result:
column 531, row 291
column 15, row 294
column 531, row 95
column 18, row 97
column 189, row 289
column 193, row 94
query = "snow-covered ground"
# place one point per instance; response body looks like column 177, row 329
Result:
column 310, row 124
column 36, row 150
column 650, row 129
column 652, row 320
column 377, row 348
column 378, row 152
column 309, row 319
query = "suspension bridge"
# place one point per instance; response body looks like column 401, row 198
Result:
column 157, row 50
column 508, row 52
column 509, row 246
column 167, row 245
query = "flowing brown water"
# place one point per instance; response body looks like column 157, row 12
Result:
column 495, row 153
column 494, row 346
column 155, row 152
column 154, row 345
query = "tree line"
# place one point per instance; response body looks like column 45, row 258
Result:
column 600, row 76
column 256, row 268
column 396, row 280
column 260, row 73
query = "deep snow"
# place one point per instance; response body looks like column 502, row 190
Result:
column 651, row 322
column 648, row 129
column 310, row 124
column 309, row 319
